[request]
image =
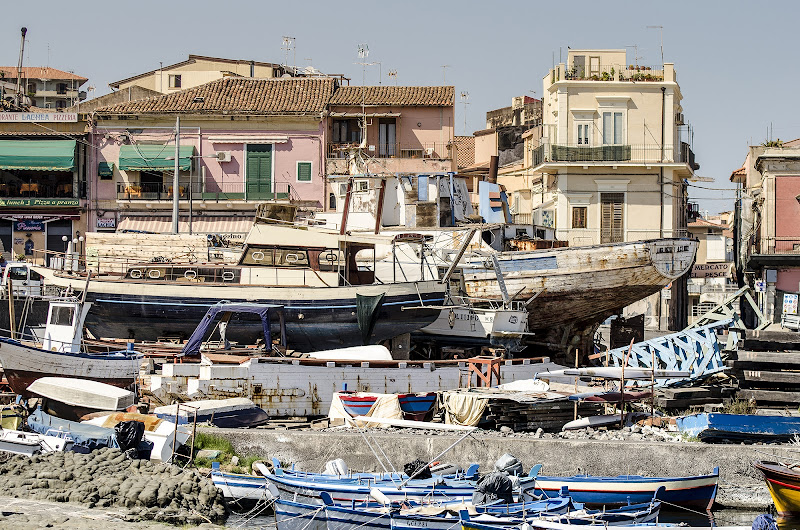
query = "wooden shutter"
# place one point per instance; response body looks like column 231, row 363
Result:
column 259, row 171
column 304, row 171
column 611, row 220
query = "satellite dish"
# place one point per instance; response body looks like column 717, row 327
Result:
column 285, row 76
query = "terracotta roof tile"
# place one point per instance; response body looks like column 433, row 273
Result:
column 465, row 154
column 39, row 72
column 397, row 96
column 235, row 95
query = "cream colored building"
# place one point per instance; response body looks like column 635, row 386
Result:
column 610, row 163
column 197, row 70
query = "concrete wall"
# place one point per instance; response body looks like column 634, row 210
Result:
column 310, row 451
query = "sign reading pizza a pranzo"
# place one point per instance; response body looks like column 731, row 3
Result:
column 38, row 117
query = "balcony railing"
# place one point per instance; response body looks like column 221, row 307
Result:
column 147, row 191
column 613, row 72
column 420, row 150
column 649, row 153
column 37, row 190
column 778, row 245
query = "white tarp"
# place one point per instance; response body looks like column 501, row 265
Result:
column 462, row 408
column 385, row 406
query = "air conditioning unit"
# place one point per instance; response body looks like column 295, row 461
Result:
column 679, row 118
column 224, row 156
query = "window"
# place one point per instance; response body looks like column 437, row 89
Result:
column 387, row 136
column 275, row 257
column 346, row 131
column 579, row 216
column 304, row 172
column 594, row 66
column 362, row 185
column 332, row 201
column 18, row 274
column 611, row 221
column 61, row 88
column 583, row 133
column 612, row 128
column 174, row 81
column 62, row 316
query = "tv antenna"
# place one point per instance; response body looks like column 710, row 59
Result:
column 393, row 75
column 636, row 56
column 661, row 39
column 444, row 73
column 464, row 97
column 288, row 44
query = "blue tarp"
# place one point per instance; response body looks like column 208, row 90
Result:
column 192, row 347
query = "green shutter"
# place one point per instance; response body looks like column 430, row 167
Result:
column 304, row 171
column 259, row 171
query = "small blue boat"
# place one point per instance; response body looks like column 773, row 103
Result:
column 416, row 406
column 737, row 428
column 694, row 491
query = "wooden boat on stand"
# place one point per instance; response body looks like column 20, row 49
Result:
column 61, row 353
column 783, row 481
column 329, row 300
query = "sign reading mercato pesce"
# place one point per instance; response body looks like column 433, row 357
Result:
column 106, row 223
column 39, row 117
column 40, row 202
column 29, row 226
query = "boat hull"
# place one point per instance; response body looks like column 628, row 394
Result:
column 297, row 516
column 242, row 487
column 24, row 364
column 316, row 318
column 696, row 492
column 581, row 284
column 738, row 428
column 784, row 487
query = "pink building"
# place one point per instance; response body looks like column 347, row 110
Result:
column 243, row 141
column 768, row 222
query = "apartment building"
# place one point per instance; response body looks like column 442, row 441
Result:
column 612, row 158
column 767, row 223
column 45, row 87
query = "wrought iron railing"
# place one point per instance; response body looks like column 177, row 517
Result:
column 438, row 150
column 613, row 72
column 232, row 191
column 647, row 153
column 37, row 190
column 778, row 245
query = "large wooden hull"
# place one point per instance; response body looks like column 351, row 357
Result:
column 316, row 318
column 24, row 364
column 575, row 285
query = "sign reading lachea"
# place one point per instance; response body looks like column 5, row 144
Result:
column 49, row 117
column 40, row 202
column 29, row 226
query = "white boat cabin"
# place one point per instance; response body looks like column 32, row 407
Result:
column 64, row 329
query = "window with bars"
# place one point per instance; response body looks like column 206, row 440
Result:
column 579, row 216
column 304, row 172
column 611, row 220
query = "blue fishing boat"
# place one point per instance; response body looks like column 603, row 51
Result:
column 737, row 428
column 239, row 487
column 417, row 406
column 290, row 515
column 357, row 404
column 693, row 491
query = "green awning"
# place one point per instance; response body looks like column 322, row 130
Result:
column 38, row 155
column 105, row 169
column 158, row 157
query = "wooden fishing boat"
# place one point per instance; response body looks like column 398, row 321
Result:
column 61, row 354
column 416, row 407
column 83, row 394
column 329, row 300
column 736, row 428
column 693, row 491
column 31, row 443
column 534, row 524
column 784, row 486
column 223, row 413
column 239, row 487
column 357, row 404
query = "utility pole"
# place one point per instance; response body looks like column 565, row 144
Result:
column 464, row 98
column 19, row 68
column 444, row 73
column 175, row 189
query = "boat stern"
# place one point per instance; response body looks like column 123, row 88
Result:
column 672, row 258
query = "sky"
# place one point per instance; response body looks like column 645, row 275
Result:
column 735, row 60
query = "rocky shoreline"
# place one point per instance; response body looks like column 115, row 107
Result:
column 137, row 490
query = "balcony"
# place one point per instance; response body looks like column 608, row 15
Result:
column 69, row 94
column 435, row 150
column 28, row 190
column 608, row 72
column 788, row 245
column 637, row 154
column 148, row 191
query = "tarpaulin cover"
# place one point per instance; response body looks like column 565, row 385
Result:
column 461, row 408
column 192, row 346
column 129, row 434
column 38, row 155
column 158, row 157
column 386, row 406
column 368, row 308
column 414, row 467
column 494, row 486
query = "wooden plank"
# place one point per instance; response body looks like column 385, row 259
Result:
column 770, row 395
column 768, row 357
column 771, row 377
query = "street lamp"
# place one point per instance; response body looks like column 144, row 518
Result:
column 65, row 239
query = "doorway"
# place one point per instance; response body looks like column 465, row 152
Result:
column 56, row 230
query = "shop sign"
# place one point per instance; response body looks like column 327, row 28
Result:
column 106, row 223
column 39, row 202
column 711, row 270
column 761, row 286
column 29, row 226
column 39, row 117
